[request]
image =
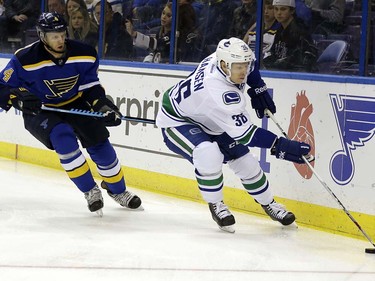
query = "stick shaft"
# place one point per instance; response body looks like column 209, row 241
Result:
column 325, row 185
column 96, row 114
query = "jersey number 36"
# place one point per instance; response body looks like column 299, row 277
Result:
column 240, row 119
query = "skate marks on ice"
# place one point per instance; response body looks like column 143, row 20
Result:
column 46, row 231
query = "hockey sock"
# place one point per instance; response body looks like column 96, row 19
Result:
column 257, row 187
column 210, row 186
column 109, row 166
column 72, row 160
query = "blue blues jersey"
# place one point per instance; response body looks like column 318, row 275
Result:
column 56, row 82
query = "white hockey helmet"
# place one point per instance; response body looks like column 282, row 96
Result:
column 234, row 50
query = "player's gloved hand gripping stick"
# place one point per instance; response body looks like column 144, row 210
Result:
column 25, row 101
column 307, row 161
column 111, row 113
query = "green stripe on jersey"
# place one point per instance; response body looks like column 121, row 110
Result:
column 245, row 140
column 167, row 105
column 179, row 141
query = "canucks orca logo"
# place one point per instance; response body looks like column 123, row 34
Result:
column 355, row 118
column 231, row 97
column 58, row 87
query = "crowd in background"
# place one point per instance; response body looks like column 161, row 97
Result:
column 296, row 33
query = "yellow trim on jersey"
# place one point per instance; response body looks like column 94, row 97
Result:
column 46, row 63
column 82, row 58
column 38, row 65
column 79, row 94
column 79, row 171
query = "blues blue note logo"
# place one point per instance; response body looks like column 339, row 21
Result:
column 355, row 118
column 231, row 97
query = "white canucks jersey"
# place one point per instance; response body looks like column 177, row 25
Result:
column 207, row 99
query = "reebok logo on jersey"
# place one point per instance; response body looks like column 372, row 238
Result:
column 231, row 98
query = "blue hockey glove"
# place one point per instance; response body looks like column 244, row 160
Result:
column 112, row 115
column 290, row 150
column 25, row 101
column 260, row 100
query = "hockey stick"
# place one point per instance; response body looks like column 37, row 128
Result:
column 96, row 114
column 368, row 250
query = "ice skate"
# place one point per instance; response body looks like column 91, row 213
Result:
column 222, row 216
column 95, row 200
column 277, row 212
column 125, row 199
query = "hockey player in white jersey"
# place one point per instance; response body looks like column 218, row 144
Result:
column 204, row 119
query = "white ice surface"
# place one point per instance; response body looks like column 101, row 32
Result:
column 47, row 233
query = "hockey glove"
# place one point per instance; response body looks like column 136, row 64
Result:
column 111, row 113
column 260, row 100
column 290, row 150
column 25, row 101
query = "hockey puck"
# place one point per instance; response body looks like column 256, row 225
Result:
column 370, row 250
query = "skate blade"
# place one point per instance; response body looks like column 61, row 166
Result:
column 293, row 225
column 139, row 209
column 99, row 213
column 229, row 229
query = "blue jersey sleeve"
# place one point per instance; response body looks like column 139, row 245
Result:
column 254, row 79
column 9, row 79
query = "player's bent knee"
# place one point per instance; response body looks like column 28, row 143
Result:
column 207, row 158
column 245, row 167
column 63, row 138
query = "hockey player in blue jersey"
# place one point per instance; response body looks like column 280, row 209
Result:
column 62, row 73
column 204, row 119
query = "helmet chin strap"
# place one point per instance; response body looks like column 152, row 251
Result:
column 227, row 76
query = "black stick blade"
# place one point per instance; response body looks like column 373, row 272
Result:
column 370, row 250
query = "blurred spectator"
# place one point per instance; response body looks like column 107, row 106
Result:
column 72, row 5
column 322, row 16
column 89, row 5
column 56, row 6
column 158, row 45
column 82, row 28
column 215, row 24
column 18, row 18
column 116, row 6
column 292, row 48
column 243, row 17
column 21, row 15
column 270, row 26
column 186, row 26
column 118, row 44
column 3, row 24
column 145, row 14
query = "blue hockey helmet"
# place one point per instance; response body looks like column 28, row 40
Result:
column 51, row 22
